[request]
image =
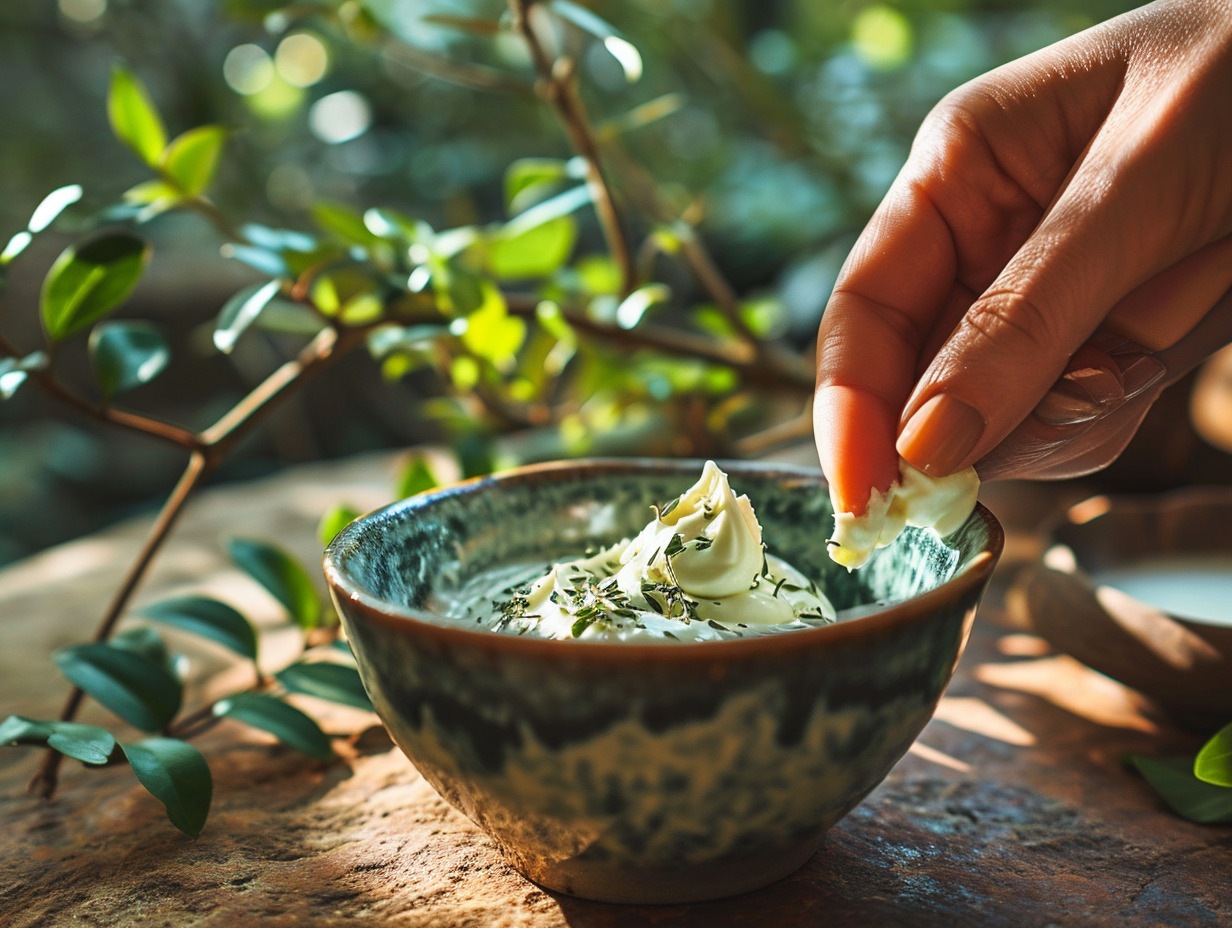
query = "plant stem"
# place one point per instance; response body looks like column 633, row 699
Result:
column 557, row 87
column 44, row 782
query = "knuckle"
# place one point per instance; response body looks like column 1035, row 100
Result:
column 1013, row 322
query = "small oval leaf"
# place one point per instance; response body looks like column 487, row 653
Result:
column 126, row 355
column 241, row 311
column 192, row 158
column 17, row 729
column 334, row 682
column 285, row 722
column 176, row 775
column 137, row 690
column 208, row 618
column 134, row 120
column 1214, row 762
column 1189, row 797
column 280, row 574
column 335, row 521
column 86, row 282
column 86, row 743
column 415, row 477
column 52, row 206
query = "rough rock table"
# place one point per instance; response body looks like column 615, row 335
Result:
column 1012, row 808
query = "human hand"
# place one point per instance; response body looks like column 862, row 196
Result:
column 1056, row 250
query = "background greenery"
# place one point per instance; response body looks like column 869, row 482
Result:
column 774, row 126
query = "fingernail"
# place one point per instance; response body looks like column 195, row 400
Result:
column 940, row 435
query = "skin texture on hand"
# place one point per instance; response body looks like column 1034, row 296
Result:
column 1055, row 251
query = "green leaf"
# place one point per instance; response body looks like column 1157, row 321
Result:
column 191, row 159
column 415, row 477
column 266, row 261
column 134, row 120
column 532, row 175
column 86, row 282
column 155, row 195
column 17, row 729
column 633, row 307
column 285, row 722
column 16, row 245
column 136, row 689
column 14, row 371
column 537, row 251
column 147, row 643
column 208, row 618
column 126, row 355
column 176, row 775
column 52, row 206
column 281, row 575
column 476, row 455
column 491, row 332
column 241, row 311
column 560, row 205
column 325, row 680
column 86, row 743
column 335, row 521
column 1173, row 778
column 343, row 222
column 617, row 45
column 1214, row 762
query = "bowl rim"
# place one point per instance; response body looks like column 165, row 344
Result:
column 971, row 577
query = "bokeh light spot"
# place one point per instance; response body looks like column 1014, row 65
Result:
column 248, row 69
column 882, row 37
column 83, row 12
column 301, row 59
column 340, row 117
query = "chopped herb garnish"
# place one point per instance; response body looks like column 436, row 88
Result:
column 669, row 507
column 778, row 586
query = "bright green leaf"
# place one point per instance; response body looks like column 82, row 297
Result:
column 633, row 307
column 208, row 618
column 86, row 282
column 325, row 680
column 335, row 521
column 1214, row 762
column 134, row 120
column 343, row 222
column 415, row 477
column 1173, row 778
column 86, row 743
column 52, row 206
column 138, row 690
column 280, row 574
column 537, row 251
column 192, row 158
column 285, row 722
column 176, row 775
column 560, row 205
column 126, row 355
column 155, row 195
column 532, row 174
column 241, row 311
column 491, row 333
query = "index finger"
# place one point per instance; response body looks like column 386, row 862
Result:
column 893, row 289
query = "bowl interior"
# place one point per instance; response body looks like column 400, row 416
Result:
column 400, row 555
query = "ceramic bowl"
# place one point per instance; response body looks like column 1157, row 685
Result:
column 1088, row 599
column 650, row 772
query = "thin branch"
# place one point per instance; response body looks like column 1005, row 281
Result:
column 558, row 88
column 199, row 466
column 153, row 427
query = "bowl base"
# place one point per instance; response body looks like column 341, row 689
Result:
column 605, row 882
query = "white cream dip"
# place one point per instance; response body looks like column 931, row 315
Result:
column 938, row 503
column 698, row 571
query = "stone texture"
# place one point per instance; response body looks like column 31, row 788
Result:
column 1012, row 809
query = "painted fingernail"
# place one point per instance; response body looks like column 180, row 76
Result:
column 940, row 435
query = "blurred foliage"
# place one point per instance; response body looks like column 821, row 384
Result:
column 768, row 130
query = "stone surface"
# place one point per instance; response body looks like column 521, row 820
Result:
column 1012, row 809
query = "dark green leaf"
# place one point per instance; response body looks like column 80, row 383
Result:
column 192, row 158
column 208, row 618
column 52, row 206
column 1173, row 778
column 139, row 691
column 18, row 729
column 176, row 775
column 126, row 355
column 241, row 311
column 86, row 743
column 87, row 282
column 335, row 682
column 476, row 455
column 147, row 643
column 335, row 521
column 133, row 117
column 343, row 222
column 1214, row 762
column 415, row 477
column 286, row 723
column 281, row 575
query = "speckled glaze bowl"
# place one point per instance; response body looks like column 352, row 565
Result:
column 651, row 772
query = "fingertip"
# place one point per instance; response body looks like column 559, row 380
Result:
column 855, row 432
column 939, row 436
